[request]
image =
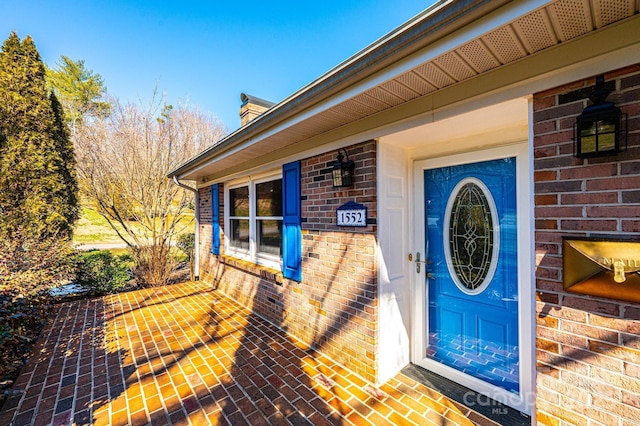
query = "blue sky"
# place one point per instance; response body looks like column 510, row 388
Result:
column 205, row 51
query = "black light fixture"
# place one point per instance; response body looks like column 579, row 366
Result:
column 599, row 130
column 342, row 171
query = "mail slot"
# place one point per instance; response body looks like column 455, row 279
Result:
column 600, row 266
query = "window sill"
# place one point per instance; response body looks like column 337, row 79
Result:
column 264, row 272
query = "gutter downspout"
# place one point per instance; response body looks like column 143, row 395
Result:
column 196, row 242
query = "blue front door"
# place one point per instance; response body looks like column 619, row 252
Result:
column 472, row 276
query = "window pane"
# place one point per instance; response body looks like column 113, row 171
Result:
column 269, row 198
column 240, row 233
column 270, row 236
column 239, row 201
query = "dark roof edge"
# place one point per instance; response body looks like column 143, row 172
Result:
column 433, row 23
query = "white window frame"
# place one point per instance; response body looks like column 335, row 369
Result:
column 251, row 255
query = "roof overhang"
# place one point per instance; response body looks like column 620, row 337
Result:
column 452, row 52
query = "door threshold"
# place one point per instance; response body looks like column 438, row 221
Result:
column 481, row 404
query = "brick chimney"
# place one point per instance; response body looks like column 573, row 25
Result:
column 252, row 107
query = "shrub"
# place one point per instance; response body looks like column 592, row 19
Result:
column 153, row 265
column 186, row 243
column 102, row 272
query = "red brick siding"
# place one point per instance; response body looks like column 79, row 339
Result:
column 339, row 288
column 320, row 200
column 334, row 308
column 588, row 350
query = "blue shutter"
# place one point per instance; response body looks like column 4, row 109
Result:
column 291, row 232
column 215, row 219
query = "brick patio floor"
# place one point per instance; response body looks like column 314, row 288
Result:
column 186, row 354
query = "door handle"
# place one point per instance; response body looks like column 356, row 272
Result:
column 418, row 261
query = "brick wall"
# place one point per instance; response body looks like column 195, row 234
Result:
column 588, row 348
column 334, row 308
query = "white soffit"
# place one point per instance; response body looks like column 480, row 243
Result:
column 496, row 124
column 535, row 31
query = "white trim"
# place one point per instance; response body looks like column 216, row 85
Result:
column 525, row 400
column 251, row 255
column 526, row 262
column 394, row 270
column 229, row 248
column 256, row 176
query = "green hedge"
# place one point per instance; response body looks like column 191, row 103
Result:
column 101, row 272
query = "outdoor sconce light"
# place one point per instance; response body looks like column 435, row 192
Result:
column 598, row 130
column 342, row 172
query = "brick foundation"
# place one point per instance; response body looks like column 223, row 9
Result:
column 588, row 348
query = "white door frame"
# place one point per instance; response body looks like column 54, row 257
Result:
column 525, row 400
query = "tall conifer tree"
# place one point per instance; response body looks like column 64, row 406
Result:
column 38, row 185
column 38, row 197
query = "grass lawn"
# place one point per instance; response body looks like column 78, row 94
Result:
column 92, row 228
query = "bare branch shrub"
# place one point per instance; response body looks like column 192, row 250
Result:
column 123, row 161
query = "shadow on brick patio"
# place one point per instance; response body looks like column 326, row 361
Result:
column 187, row 354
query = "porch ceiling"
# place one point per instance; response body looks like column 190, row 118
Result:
column 445, row 62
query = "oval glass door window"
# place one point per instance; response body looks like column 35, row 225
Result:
column 472, row 241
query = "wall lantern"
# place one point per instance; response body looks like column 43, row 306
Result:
column 599, row 130
column 342, row 171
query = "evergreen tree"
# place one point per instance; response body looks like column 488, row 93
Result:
column 38, row 185
column 80, row 91
column 38, row 197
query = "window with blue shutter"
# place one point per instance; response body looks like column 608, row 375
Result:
column 291, row 215
column 215, row 219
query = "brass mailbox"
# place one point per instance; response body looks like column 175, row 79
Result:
column 605, row 267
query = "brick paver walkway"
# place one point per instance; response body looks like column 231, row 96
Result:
column 186, row 354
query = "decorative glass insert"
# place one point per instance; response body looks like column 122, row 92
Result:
column 471, row 244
